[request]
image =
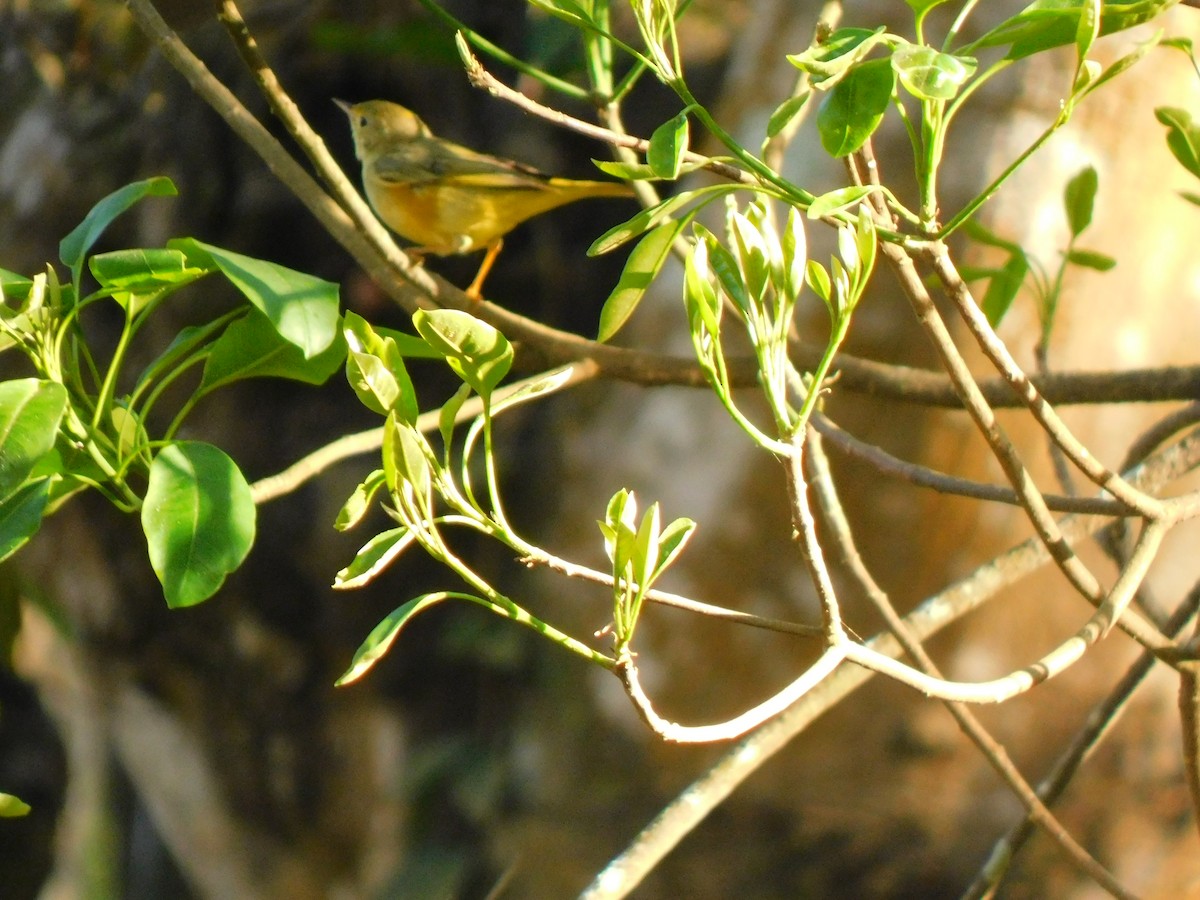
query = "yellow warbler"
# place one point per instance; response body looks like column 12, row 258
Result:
column 444, row 197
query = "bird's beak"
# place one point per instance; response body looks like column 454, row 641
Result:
column 345, row 107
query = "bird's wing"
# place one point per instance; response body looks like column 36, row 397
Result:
column 442, row 162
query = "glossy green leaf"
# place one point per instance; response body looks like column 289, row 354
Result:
column 12, row 807
column 1091, row 259
column 1183, row 136
column 852, row 111
column 1003, row 288
column 755, row 255
column 657, row 215
column 14, row 288
column 301, row 307
column 477, row 352
column 641, row 171
column 30, row 413
column 1087, row 29
column 1079, row 199
column 75, row 246
column 142, row 270
column 839, row 200
column 358, row 504
column 375, row 556
column 641, row 268
column 21, row 515
column 978, row 232
column 795, row 253
column 1046, row 24
column 384, row 634
column 199, row 520
column 251, row 347
column 928, row 74
column 448, row 415
column 785, row 112
column 729, row 277
column 405, row 457
column 833, row 58
column 817, row 279
column 672, row 541
column 922, row 7
column 668, row 144
column 700, row 297
column 376, row 371
column 566, row 10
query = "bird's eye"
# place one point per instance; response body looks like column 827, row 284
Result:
column 362, row 121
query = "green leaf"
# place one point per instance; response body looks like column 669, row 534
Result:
column 1091, row 259
column 375, row 369
column 1003, row 288
column 75, row 246
column 30, row 413
column 785, row 112
column 143, row 270
column 837, row 201
column 14, row 286
column 922, row 7
column 375, row 556
column 358, row 504
column 566, row 10
column 1046, row 24
column 795, row 253
column 655, row 216
column 928, row 74
column 405, row 457
column 1079, row 199
column 645, row 548
column 199, row 520
column 830, row 60
column 755, row 256
column 546, row 383
column 1183, row 136
column 301, row 307
column 978, row 232
column 448, row 414
column 668, row 144
column 672, row 541
column 641, row 268
column 477, row 352
column 818, row 282
column 251, row 347
column 21, row 515
column 1087, row 29
column 617, row 528
column 382, row 636
column 852, row 111
column 1190, row 197
column 729, row 277
column 700, row 297
column 642, row 171
column 11, row 807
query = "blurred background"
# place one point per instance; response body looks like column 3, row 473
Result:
column 205, row 752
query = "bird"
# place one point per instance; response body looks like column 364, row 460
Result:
column 446, row 198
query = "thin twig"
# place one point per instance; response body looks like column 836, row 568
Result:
column 842, row 537
column 923, row 476
column 482, row 78
column 1099, row 722
column 539, row 557
column 985, row 421
column 675, row 820
column 995, row 350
